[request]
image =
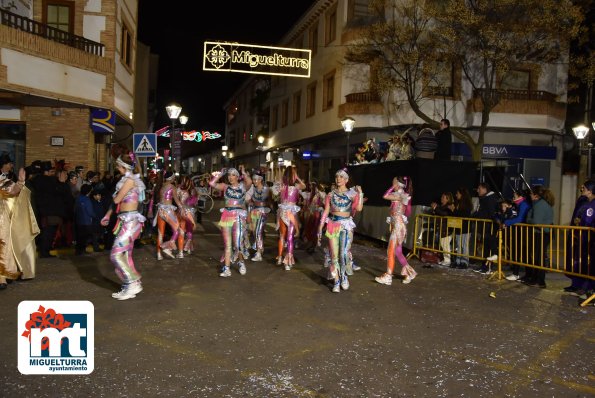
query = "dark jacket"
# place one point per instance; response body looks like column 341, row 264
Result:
column 84, row 212
column 488, row 206
column 49, row 196
column 444, row 138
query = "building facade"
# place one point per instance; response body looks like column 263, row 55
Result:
column 59, row 62
column 525, row 132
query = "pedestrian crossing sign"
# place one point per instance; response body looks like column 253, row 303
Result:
column 145, row 144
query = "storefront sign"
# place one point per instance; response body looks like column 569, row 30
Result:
column 508, row 151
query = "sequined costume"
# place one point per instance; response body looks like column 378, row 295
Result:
column 258, row 215
column 315, row 206
column 233, row 222
column 166, row 215
column 127, row 229
column 398, row 232
column 187, row 218
column 287, row 223
column 18, row 228
column 339, row 231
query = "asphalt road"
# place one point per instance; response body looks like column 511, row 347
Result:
column 277, row 333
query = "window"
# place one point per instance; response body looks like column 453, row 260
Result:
column 297, row 106
column 313, row 44
column 60, row 15
column 311, row 99
column 274, row 117
column 328, row 91
column 126, row 45
column 441, row 84
column 284, row 112
column 330, row 31
column 516, row 80
column 357, row 9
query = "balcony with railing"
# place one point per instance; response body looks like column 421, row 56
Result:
column 533, row 102
column 363, row 103
column 28, row 25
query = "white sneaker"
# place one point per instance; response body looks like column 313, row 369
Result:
column 257, row 257
column 337, row 287
column 355, row 267
column 135, row 287
column 188, row 252
column 513, row 277
column 159, row 257
column 385, row 279
column 287, row 267
column 345, row 283
column 242, row 269
column 493, row 258
column 408, row 279
column 444, row 263
column 127, row 292
column 180, row 254
column 225, row 273
column 279, row 260
column 168, row 253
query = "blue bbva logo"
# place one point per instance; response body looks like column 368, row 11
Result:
column 56, row 337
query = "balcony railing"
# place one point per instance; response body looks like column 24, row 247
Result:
column 367, row 96
column 28, row 25
column 515, row 94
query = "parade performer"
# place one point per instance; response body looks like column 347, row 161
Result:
column 260, row 209
column 399, row 195
column 166, row 215
column 130, row 190
column 289, row 194
column 186, row 214
column 338, row 207
column 18, row 228
column 233, row 218
column 315, row 205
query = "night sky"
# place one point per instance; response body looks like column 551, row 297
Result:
column 176, row 33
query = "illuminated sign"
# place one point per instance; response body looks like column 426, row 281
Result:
column 193, row 135
column 199, row 136
column 250, row 58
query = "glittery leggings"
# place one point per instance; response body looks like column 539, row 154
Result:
column 121, row 254
column 167, row 217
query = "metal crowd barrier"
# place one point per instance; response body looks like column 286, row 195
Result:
column 553, row 248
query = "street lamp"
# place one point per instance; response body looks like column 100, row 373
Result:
column 173, row 111
column 183, row 121
column 260, row 148
column 581, row 132
column 348, row 123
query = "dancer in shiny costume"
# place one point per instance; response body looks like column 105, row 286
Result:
column 186, row 214
column 129, row 191
column 399, row 195
column 315, row 205
column 288, row 209
column 338, row 208
column 233, row 218
column 166, row 215
column 260, row 209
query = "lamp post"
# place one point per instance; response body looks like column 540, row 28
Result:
column 223, row 155
column 348, row 123
column 260, row 148
column 183, row 121
column 581, row 132
column 173, row 111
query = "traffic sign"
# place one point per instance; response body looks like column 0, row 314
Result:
column 145, row 144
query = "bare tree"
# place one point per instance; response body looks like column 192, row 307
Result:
column 409, row 42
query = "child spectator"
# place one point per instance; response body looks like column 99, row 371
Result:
column 84, row 215
column 98, row 209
